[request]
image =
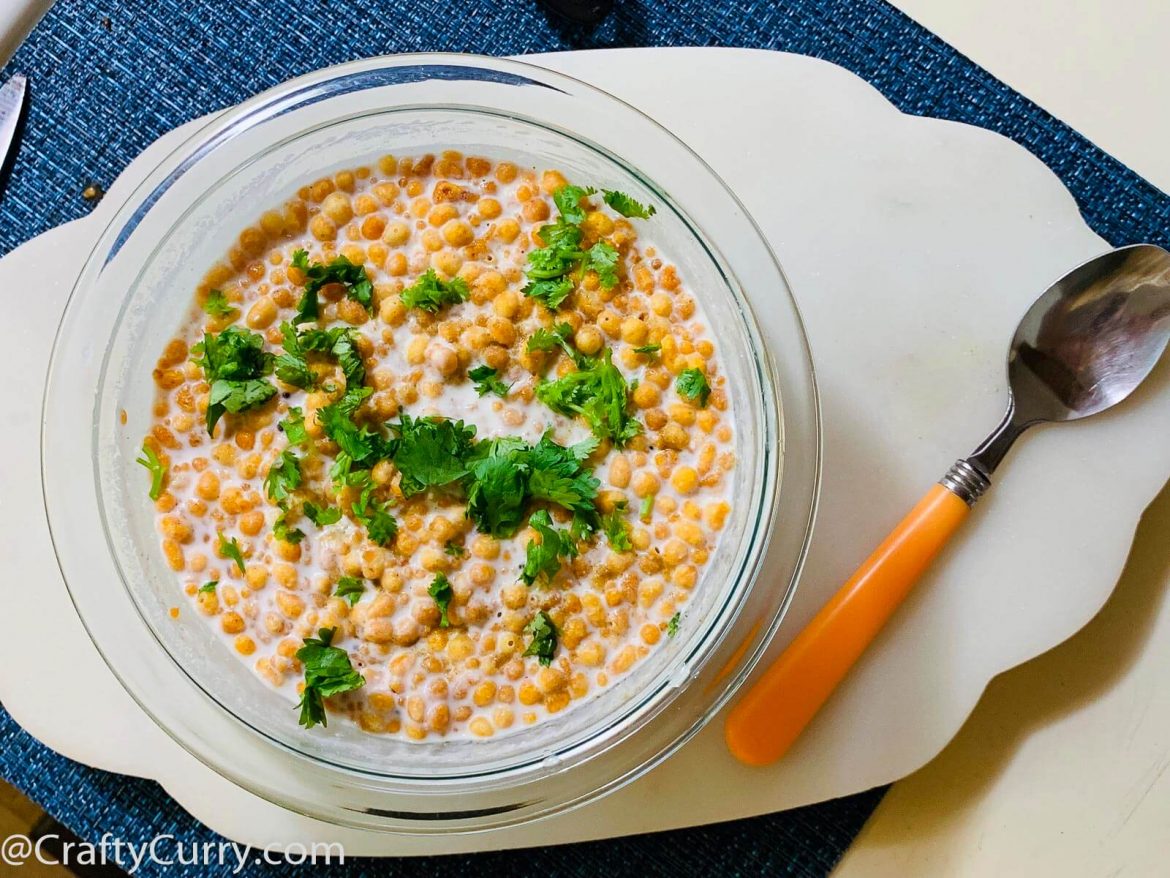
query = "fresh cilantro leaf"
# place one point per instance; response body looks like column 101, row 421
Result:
column 602, row 257
column 281, row 531
column 568, row 201
column 284, row 477
column 321, row 516
column 442, row 592
column 234, row 362
column 380, row 524
column 342, row 472
column 550, row 263
column 431, row 452
column 291, row 366
column 543, row 560
column 672, row 625
column 551, row 292
column 328, row 672
column 627, row 206
column 544, row 638
column 208, row 587
column 430, row 292
column 231, row 549
column 341, row 343
column 454, row 549
column 617, row 530
column 350, row 589
column 692, row 384
column 487, row 381
column 563, row 239
column 217, row 305
column 357, row 283
column 548, row 339
column 362, row 446
column 157, row 469
column 647, row 507
column 234, row 355
column 293, row 426
column 235, row 397
column 498, row 485
column 597, row 393
column 558, row 476
column 648, row 348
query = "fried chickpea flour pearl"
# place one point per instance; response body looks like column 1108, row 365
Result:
column 442, row 447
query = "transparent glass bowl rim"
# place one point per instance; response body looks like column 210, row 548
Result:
column 201, row 141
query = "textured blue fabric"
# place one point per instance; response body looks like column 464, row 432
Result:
column 108, row 78
column 801, row 842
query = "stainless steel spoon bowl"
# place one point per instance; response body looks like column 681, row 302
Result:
column 1084, row 346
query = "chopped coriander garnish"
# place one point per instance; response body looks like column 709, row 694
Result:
column 284, row 477
column 321, row 516
column 498, row 488
column 157, row 469
column 548, row 339
column 208, row 587
column 454, row 549
column 561, row 254
column 235, row 397
column 646, row 508
column 291, row 366
column 350, row 589
column 627, row 206
column 340, row 271
column 544, row 638
column 568, row 201
column 431, row 452
column 543, row 560
column 430, row 292
column 648, row 348
column 672, row 625
column 505, row 474
column 551, row 292
column 281, row 531
column 558, row 475
column 361, row 445
column 217, row 305
column 599, row 394
column 442, row 592
column 341, row 343
column 381, row 526
column 602, row 257
column 231, row 549
column 692, row 384
column 328, row 672
column 617, row 529
column 553, row 266
column 487, row 380
column 293, row 426
column 234, row 363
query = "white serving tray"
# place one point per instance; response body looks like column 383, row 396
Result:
column 912, row 245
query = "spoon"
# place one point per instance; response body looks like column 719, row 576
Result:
column 1084, row 346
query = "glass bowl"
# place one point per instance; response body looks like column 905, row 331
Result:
column 136, row 288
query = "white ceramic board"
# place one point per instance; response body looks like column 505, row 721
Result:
column 912, row 245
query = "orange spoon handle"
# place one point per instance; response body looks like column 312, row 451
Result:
column 773, row 713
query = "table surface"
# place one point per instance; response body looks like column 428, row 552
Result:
column 1061, row 769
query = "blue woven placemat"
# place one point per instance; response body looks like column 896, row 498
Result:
column 109, row 78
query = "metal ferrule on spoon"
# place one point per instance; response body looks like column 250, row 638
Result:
column 1085, row 345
